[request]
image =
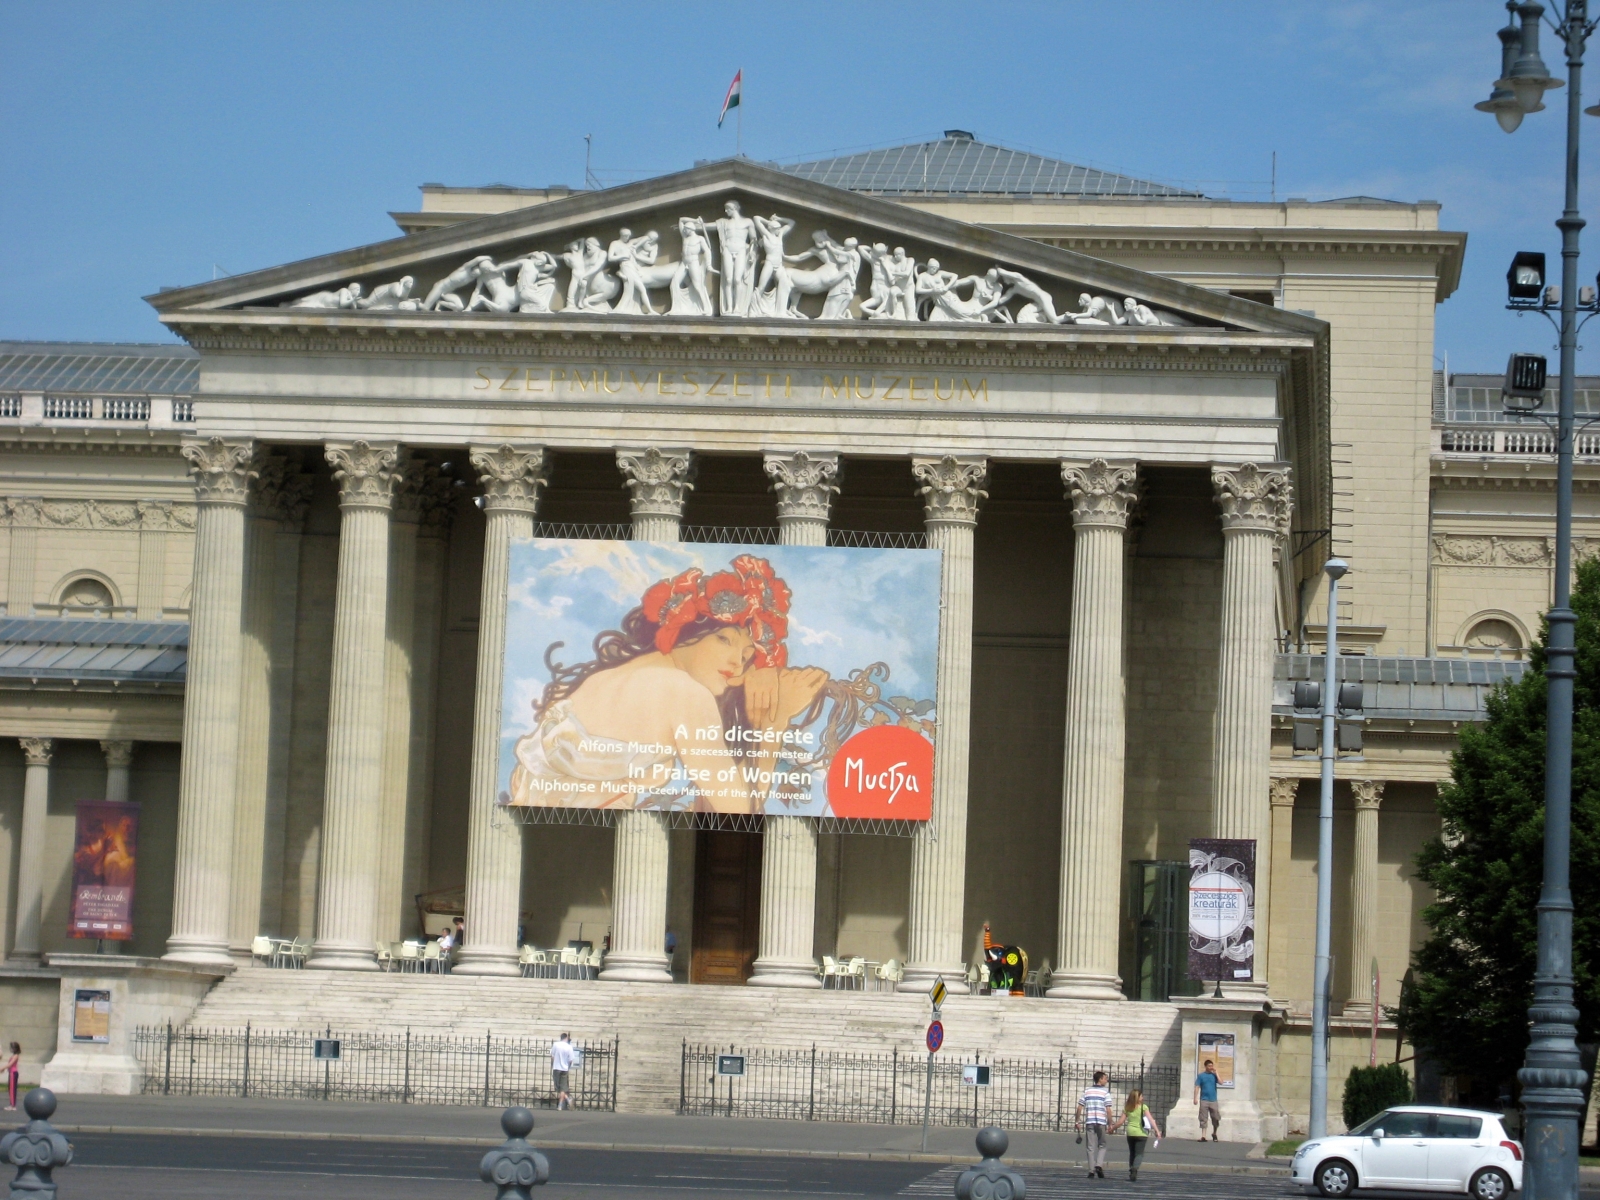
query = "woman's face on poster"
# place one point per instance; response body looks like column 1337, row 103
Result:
column 717, row 660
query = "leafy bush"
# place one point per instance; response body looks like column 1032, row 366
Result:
column 1370, row 1090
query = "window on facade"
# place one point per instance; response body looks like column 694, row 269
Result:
column 1495, row 634
column 86, row 593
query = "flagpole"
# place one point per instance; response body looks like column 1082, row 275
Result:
column 738, row 130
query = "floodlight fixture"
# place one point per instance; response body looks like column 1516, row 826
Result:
column 1525, row 279
column 1526, row 378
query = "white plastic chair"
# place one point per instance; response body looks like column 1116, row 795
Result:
column 525, row 959
column 569, row 964
column 430, row 956
column 262, row 948
column 889, row 974
column 856, row 973
column 410, row 956
column 830, row 971
column 385, row 955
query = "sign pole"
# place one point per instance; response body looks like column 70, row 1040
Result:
column 927, row 1102
column 936, row 994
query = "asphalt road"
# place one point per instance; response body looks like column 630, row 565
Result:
column 149, row 1167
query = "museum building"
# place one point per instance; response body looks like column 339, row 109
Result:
column 257, row 582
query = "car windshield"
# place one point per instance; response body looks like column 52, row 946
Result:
column 1395, row 1124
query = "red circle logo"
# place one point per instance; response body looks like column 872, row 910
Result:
column 884, row 772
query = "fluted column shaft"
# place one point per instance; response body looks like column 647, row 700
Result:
column 203, row 875
column 1368, row 797
column 1256, row 504
column 658, row 483
column 1091, row 791
column 25, row 945
column 512, row 477
column 390, row 899
column 785, row 954
column 951, row 489
column 255, row 707
column 347, row 878
column 1283, row 791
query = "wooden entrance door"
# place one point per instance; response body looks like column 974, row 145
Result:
column 727, row 905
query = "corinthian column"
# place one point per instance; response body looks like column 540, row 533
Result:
column 119, row 763
column 1368, row 795
column 1102, row 496
column 1282, row 795
column 658, row 482
column 805, row 488
column 1256, row 503
column 203, row 876
column 390, row 899
column 951, row 489
column 255, row 705
column 347, row 882
column 512, row 477
column 30, row 853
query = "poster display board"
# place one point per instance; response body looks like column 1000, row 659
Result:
column 105, row 855
column 1222, row 891
column 711, row 678
column 1219, row 1048
column 91, row 1015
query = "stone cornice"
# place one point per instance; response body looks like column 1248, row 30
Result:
column 51, row 439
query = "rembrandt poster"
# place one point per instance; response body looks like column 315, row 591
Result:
column 776, row 680
column 104, row 855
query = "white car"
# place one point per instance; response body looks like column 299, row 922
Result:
column 1416, row 1148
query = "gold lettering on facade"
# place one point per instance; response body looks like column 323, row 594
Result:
column 738, row 395
column 742, row 384
column 938, row 395
column 694, row 384
column 983, row 386
column 911, row 386
column 527, row 381
column 505, row 384
column 594, row 380
column 606, row 383
column 661, row 385
column 871, row 387
column 557, row 374
column 838, row 389
column 717, row 383
column 888, row 392
column 638, row 383
column 484, row 386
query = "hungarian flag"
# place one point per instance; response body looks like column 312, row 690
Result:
column 731, row 100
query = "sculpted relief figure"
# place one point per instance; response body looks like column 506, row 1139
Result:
column 1134, row 313
column 635, row 260
column 1040, row 307
column 442, row 295
column 834, row 277
column 690, row 295
column 938, row 290
column 492, row 292
column 736, row 234
column 1095, row 310
column 536, row 282
column 901, row 274
column 395, row 295
column 771, row 231
column 591, row 288
column 876, row 306
column 345, row 297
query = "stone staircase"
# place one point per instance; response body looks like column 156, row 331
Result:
column 653, row 1020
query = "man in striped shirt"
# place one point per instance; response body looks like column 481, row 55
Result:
column 1093, row 1117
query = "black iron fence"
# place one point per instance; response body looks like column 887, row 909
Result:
column 831, row 1085
column 400, row 1067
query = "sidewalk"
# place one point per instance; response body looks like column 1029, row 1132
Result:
column 416, row 1123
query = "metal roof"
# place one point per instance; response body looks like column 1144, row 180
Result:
column 963, row 166
column 104, row 368
column 1417, row 689
column 39, row 649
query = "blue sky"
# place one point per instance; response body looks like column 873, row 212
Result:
column 150, row 144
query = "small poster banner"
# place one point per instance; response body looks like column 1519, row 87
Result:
column 1222, row 915
column 1218, row 1049
column 104, row 857
column 91, row 1015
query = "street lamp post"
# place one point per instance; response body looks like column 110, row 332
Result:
column 1553, row 1077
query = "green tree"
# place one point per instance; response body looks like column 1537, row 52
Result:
column 1473, row 977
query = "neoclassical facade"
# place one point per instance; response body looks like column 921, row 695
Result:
column 1122, row 416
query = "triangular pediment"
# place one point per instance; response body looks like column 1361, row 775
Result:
column 729, row 241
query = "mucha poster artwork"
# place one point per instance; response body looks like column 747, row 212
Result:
column 104, row 858
column 1222, row 914
column 707, row 678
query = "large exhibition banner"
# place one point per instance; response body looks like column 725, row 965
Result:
column 105, row 856
column 699, row 677
column 1222, row 915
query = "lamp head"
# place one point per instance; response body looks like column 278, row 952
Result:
column 1528, row 77
column 1525, row 278
column 1335, row 568
column 1502, row 101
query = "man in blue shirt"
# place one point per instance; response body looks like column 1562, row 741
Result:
column 1205, row 1095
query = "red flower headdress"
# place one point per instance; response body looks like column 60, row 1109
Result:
column 749, row 596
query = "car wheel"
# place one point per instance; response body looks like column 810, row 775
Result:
column 1491, row 1183
column 1338, row 1178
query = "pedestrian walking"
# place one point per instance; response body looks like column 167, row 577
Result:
column 13, row 1070
column 1205, row 1095
column 1141, row 1126
column 1094, row 1112
column 561, row 1055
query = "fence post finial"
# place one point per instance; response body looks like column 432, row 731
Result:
column 514, row 1166
column 991, row 1179
column 37, row 1148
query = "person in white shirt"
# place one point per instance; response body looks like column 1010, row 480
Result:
column 561, row 1054
column 1093, row 1118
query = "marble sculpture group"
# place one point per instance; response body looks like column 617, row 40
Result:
column 754, row 276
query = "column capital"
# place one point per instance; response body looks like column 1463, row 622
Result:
column 1102, row 493
column 1367, row 793
column 37, row 750
column 222, row 469
column 951, row 487
column 658, row 481
column 413, row 475
column 1283, row 792
column 1254, row 498
column 365, row 472
column 512, row 476
column 266, row 488
column 118, row 754
column 437, row 504
column 804, row 483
